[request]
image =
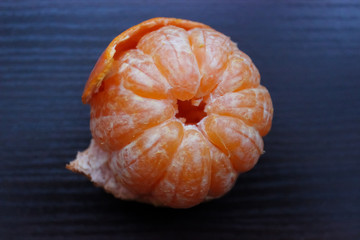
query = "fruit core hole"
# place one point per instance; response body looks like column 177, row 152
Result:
column 190, row 112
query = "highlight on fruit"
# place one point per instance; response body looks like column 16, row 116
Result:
column 177, row 113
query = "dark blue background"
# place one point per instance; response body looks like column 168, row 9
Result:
column 306, row 186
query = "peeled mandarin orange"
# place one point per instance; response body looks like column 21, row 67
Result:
column 177, row 113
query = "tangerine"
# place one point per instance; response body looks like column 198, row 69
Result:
column 177, row 113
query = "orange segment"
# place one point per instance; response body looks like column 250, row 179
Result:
column 144, row 161
column 141, row 76
column 223, row 175
column 211, row 49
column 171, row 51
column 125, row 41
column 234, row 137
column 240, row 73
column 118, row 115
column 187, row 180
column 253, row 106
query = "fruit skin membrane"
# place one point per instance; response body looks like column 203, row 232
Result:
column 177, row 113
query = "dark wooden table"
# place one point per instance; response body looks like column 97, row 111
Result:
column 306, row 186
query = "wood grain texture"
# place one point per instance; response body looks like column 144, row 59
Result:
column 306, row 186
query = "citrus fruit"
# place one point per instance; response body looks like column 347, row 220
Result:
column 177, row 113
